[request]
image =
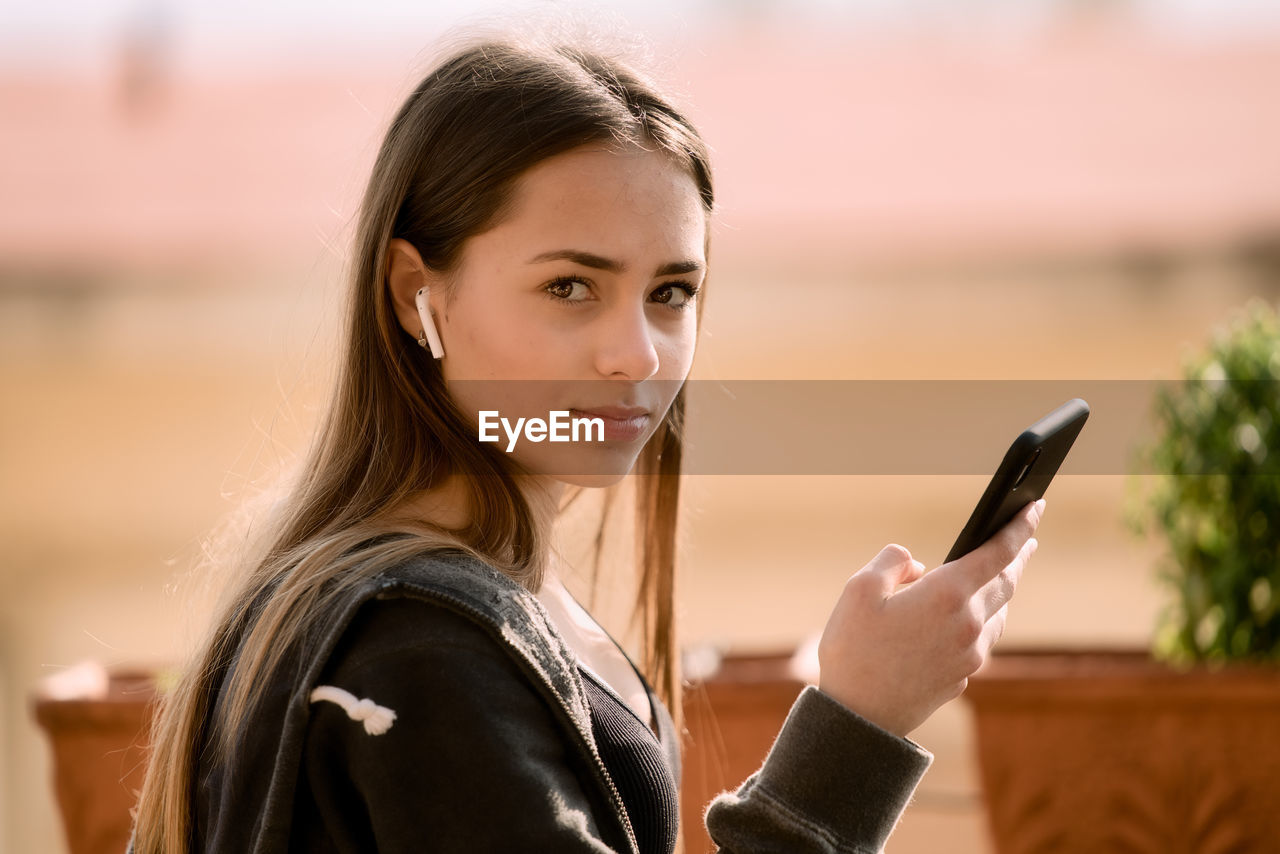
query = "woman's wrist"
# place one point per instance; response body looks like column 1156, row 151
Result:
column 866, row 710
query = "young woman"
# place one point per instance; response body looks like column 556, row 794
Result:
column 401, row 669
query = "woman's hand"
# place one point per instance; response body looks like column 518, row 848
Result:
column 895, row 657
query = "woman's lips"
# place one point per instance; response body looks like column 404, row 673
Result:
column 620, row 423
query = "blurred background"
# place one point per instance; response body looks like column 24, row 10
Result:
column 913, row 190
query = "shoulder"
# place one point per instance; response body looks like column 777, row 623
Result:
column 393, row 625
column 447, row 573
column 459, row 592
column 446, row 611
column 430, row 591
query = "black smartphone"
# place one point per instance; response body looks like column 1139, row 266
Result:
column 1024, row 474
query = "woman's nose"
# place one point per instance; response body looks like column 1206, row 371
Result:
column 625, row 345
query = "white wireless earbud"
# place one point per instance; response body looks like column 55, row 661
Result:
column 429, row 333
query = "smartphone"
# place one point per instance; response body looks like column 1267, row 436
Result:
column 1024, row 474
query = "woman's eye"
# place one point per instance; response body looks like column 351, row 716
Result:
column 562, row 289
column 677, row 295
column 572, row 289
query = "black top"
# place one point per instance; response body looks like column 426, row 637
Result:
column 482, row 688
column 635, row 760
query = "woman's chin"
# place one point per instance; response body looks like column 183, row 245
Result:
column 597, row 468
column 592, row 481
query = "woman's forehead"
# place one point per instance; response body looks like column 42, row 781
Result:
column 629, row 198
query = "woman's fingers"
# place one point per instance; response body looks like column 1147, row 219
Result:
column 895, row 657
column 1021, row 528
column 993, row 630
column 997, row 592
column 973, row 571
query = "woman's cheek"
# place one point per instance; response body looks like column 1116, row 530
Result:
column 508, row 346
column 677, row 356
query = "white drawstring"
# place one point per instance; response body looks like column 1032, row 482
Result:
column 377, row 719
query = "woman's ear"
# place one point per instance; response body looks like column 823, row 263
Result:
column 406, row 274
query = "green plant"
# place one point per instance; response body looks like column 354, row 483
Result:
column 1216, row 497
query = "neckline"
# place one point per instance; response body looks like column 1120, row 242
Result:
column 652, row 724
column 655, row 728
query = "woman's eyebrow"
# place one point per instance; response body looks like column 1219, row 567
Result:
column 588, row 259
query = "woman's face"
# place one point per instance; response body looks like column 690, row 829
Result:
column 578, row 300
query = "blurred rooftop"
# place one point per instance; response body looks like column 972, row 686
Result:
column 827, row 146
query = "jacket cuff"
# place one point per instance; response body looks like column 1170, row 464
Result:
column 827, row 759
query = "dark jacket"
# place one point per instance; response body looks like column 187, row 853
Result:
column 459, row 723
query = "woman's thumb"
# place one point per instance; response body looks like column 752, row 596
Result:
column 893, row 566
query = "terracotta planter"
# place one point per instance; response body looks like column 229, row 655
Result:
column 1107, row 750
column 732, row 718
column 98, row 760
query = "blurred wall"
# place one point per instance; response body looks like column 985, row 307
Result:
column 1078, row 203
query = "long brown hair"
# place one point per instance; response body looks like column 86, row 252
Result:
column 445, row 171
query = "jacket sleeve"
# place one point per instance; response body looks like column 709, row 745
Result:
column 474, row 758
column 832, row 782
